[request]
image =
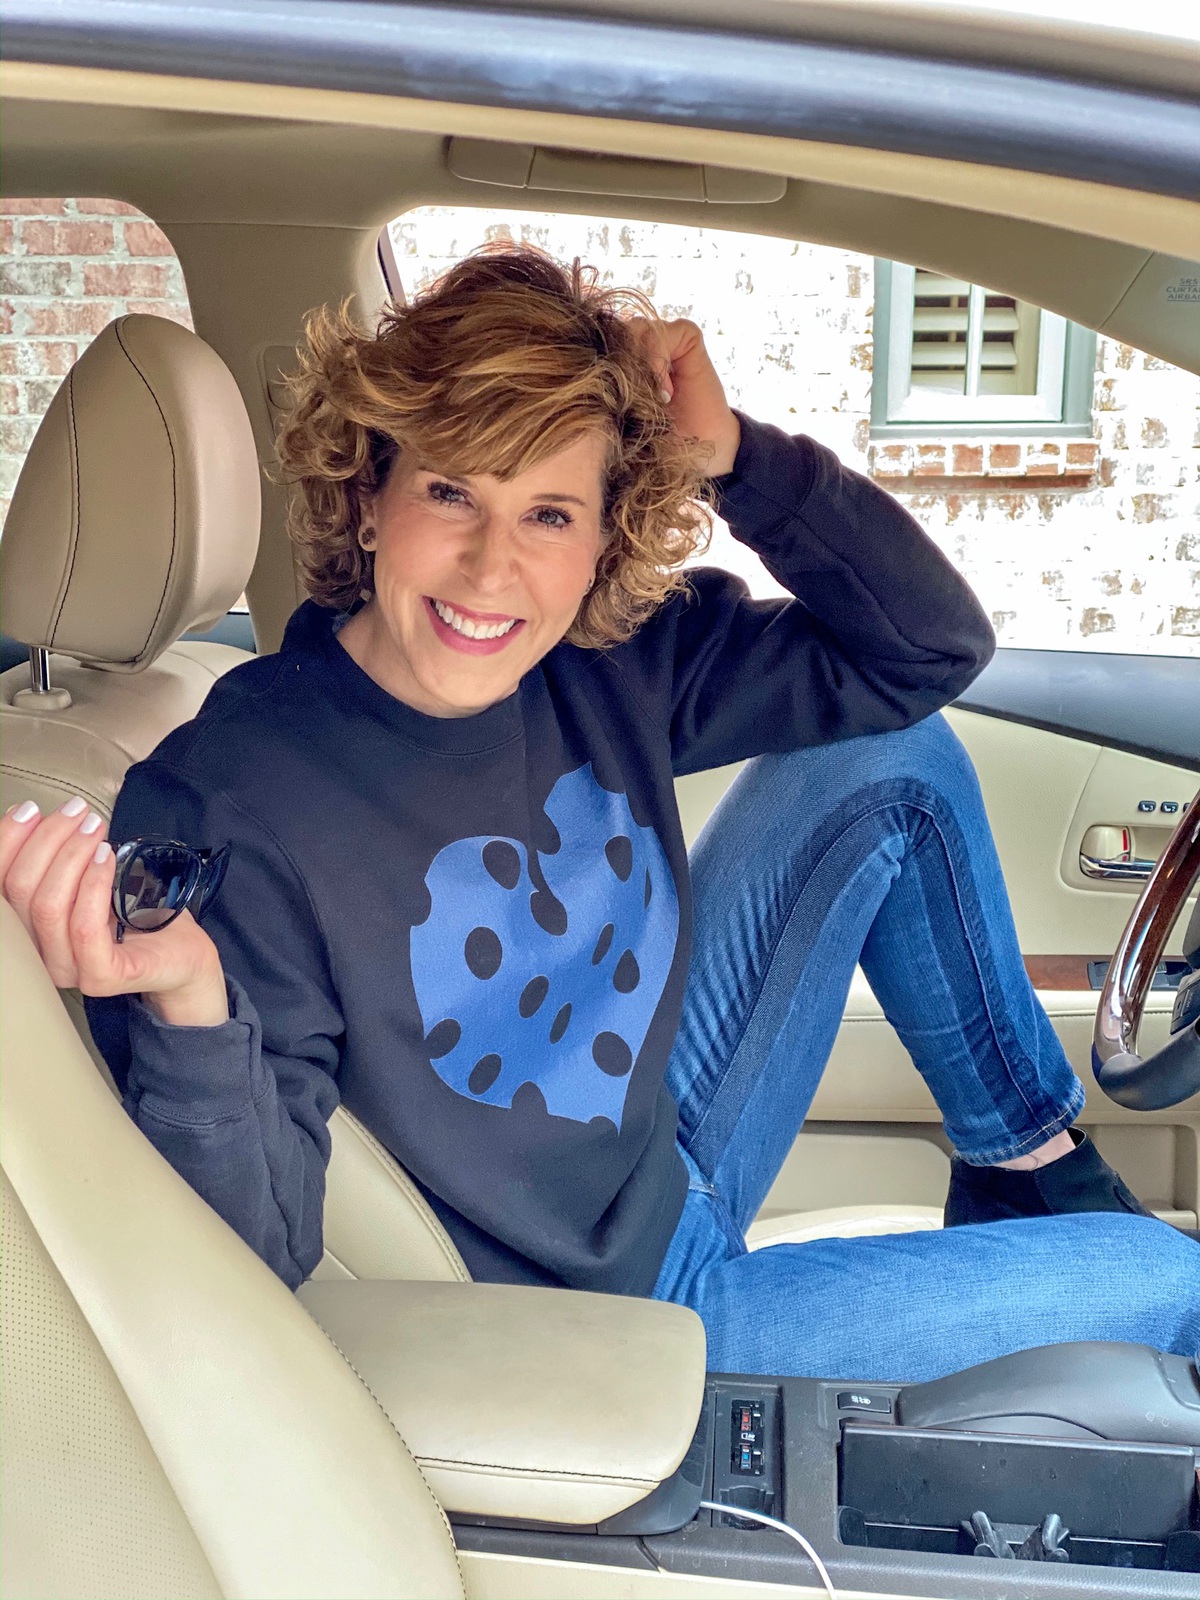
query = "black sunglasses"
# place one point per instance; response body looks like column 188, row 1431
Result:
column 158, row 878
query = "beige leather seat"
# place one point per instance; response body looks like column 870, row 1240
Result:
column 175, row 1423
column 135, row 519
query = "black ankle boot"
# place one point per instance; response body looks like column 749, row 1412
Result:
column 1080, row 1181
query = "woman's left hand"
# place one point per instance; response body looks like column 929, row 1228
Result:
column 694, row 394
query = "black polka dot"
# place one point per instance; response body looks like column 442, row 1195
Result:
column 529, row 1101
column 602, row 944
column 649, row 888
column 546, row 838
column 559, row 1026
column 483, row 952
column 532, row 995
column 611, row 1054
column 620, row 856
column 441, row 1040
column 549, row 914
column 502, row 863
column 627, row 975
column 484, row 1074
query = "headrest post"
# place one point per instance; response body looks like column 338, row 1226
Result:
column 41, row 696
column 39, row 669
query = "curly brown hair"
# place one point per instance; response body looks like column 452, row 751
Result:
column 506, row 359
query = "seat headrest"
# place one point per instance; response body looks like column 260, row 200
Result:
column 136, row 514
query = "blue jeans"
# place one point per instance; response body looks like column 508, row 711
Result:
column 878, row 851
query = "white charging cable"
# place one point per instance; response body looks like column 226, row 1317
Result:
column 780, row 1527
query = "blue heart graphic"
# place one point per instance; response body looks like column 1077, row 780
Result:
column 552, row 986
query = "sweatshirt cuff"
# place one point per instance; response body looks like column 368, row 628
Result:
column 200, row 1073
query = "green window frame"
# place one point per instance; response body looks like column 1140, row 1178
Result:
column 952, row 357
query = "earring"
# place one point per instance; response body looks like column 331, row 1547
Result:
column 363, row 535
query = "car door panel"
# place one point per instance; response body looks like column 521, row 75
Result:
column 874, row 1134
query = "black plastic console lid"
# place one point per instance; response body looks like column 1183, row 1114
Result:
column 1127, row 1392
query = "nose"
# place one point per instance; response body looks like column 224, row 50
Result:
column 488, row 558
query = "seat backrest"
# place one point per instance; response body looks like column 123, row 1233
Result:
column 136, row 517
column 378, row 1224
column 175, row 1423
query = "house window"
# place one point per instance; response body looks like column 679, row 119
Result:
column 954, row 356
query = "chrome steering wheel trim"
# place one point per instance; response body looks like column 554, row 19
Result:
column 1172, row 1074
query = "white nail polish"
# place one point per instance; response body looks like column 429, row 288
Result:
column 91, row 822
column 103, row 851
column 72, row 808
column 26, row 811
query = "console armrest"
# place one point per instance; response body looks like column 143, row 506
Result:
column 538, row 1405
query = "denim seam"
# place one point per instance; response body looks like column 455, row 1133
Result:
column 1002, row 1041
column 768, row 967
column 1006, row 1044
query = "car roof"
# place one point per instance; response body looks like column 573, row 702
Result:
column 1074, row 187
column 1153, row 44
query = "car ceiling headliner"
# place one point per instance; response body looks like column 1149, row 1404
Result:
column 1074, row 246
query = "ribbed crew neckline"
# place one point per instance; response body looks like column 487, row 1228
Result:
column 313, row 631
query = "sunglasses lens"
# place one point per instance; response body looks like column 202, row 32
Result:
column 155, row 885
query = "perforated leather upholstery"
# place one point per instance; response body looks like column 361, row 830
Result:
column 175, row 1423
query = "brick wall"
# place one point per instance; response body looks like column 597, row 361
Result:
column 1091, row 544
column 67, row 268
column 1077, row 544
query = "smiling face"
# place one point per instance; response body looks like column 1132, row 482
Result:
column 476, row 578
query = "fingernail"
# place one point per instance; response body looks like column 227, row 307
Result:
column 72, row 808
column 91, row 822
column 103, row 851
column 26, row 811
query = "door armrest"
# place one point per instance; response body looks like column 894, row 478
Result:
column 523, row 1404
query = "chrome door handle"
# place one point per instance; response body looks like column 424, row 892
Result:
column 1117, row 869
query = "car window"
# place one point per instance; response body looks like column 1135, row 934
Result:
column 1063, row 479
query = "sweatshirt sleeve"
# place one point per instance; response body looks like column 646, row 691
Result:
column 240, row 1110
column 882, row 631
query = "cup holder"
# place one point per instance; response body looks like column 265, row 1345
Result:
column 957, row 1493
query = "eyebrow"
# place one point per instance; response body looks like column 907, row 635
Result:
column 458, row 479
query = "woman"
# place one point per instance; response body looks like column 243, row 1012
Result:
column 458, row 897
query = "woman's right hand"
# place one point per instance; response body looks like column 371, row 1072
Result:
column 57, row 874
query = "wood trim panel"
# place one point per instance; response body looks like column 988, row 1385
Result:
column 1060, row 972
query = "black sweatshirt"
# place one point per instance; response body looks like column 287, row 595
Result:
column 475, row 931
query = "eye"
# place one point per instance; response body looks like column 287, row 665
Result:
column 552, row 517
column 446, row 494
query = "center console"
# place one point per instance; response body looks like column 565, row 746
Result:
column 564, row 1427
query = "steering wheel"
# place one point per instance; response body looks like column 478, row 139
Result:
column 1172, row 1074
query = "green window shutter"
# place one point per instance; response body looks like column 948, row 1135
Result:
column 952, row 356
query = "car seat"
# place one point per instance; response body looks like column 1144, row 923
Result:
column 175, row 1423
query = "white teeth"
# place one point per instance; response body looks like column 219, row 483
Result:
column 469, row 629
